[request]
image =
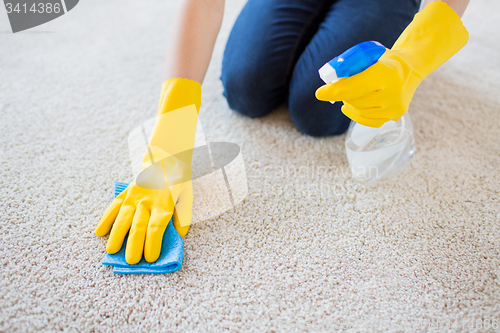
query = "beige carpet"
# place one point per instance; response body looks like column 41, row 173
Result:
column 414, row 254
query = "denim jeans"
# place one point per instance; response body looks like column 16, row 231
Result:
column 276, row 47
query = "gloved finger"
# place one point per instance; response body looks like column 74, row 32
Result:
column 370, row 100
column 120, row 228
column 373, row 112
column 371, row 122
column 109, row 216
column 154, row 234
column 137, row 235
column 369, row 112
column 397, row 117
column 350, row 87
column 183, row 213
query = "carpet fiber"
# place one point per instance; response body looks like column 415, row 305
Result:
column 309, row 249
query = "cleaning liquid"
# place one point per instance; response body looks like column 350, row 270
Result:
column 378, row 153
column 372, row 153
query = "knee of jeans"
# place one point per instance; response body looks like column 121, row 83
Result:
column 317, row 118
column 245, row 92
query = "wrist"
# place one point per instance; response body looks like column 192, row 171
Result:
column 177, row 93
column 435, row 35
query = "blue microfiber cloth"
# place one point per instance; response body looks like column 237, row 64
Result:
column 170, row 260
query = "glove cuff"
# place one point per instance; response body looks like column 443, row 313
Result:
column 177, row 93
column 434, row 36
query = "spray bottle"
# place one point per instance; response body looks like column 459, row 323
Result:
column 372, row 153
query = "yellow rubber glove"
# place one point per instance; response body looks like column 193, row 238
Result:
column 384, row 91
column 164, row 188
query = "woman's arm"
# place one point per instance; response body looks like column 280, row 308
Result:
column 458, row 6
column 193, row 38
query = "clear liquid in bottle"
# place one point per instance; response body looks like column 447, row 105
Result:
column 380, row 153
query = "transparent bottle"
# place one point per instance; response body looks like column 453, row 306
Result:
column 380, row 153
column 372, row 153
